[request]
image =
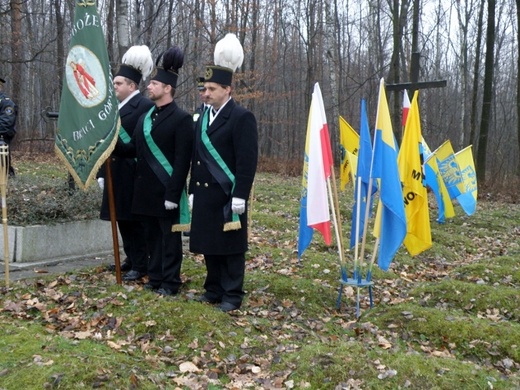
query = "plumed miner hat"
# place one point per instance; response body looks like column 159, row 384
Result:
column 168, row 71
column 228, row 57
column 137, row 63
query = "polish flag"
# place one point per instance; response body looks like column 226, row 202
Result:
column 406, row 107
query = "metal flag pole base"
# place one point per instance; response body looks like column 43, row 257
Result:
column 358, row 283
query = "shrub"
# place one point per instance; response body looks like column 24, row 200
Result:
column 35, row 200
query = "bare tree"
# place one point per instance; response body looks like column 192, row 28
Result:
column 123, row 26
column 16, row 49
column 476, row 77
column 488, row 94
column 518, row 79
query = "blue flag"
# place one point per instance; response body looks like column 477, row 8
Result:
column 363, row 175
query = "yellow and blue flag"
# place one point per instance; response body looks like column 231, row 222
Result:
column 418, row 237
column 434, row 180
column 390, row 221
column 468, row 198
column 449, row 169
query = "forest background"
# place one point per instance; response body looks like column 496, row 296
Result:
column 345, row 45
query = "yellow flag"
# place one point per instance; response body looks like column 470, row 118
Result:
column 449, row 169
column 436, row 183
column 468, row 198
column 418, row 234
column 349, row 142
column 352, row 161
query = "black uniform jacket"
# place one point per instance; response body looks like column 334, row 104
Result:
column 123, row 169
column 234, row 135
column 8, row 113
column 172, row 132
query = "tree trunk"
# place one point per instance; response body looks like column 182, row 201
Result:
column 476, row 77
column 399, row 14
column 16, row 51
column 123, row 29
column 518, row 79
column 487, row 95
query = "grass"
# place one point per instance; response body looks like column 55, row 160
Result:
column 447, row 318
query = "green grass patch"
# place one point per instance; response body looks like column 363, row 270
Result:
column 447, row 318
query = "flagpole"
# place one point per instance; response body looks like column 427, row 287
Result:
column 365, row 222
column 372, row 260
column 112, row 210
column 337, row 223
column 4, row 173
column 357, row 273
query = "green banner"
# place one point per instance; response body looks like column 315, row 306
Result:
column 89, row 117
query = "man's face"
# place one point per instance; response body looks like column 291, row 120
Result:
column 216, row 94
column 157, row 90
column 123, row 87
column 202, row 95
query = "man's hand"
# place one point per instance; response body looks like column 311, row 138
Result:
column 170, row 205
column 238, row 206
column 190, row 201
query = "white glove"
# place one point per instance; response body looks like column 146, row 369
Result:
column 238, row 206
column 101, row 183
column 170, row 205
column 190, row 201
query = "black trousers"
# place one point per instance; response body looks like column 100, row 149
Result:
column 133, row 234
column 225, row 278
column 164, row 266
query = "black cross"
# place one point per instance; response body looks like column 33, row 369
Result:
column 414, row 77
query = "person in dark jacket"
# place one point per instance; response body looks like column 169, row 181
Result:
column 223, row 169
column 137, row 64
column 202, row 96
column 162, row 143
column 8, row 113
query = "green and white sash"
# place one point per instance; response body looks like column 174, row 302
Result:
column 164, row 170
column 221, row 172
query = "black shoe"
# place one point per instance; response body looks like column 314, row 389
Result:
column 165, row 292
column 227, row 307
column 126, row 266
column 205, row 299
column 149, row 286
column 132, row 275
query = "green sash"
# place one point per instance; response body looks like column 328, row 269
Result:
column 231, row 220
column 125, row 137
column 184, row 211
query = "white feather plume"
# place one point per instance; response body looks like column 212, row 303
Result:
column 229, row 52
column 140, row 58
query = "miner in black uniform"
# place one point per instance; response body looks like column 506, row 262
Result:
column 162, row 143
column 203, row 99
column 8, row 113
column 137, row 64
column 223, row 169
